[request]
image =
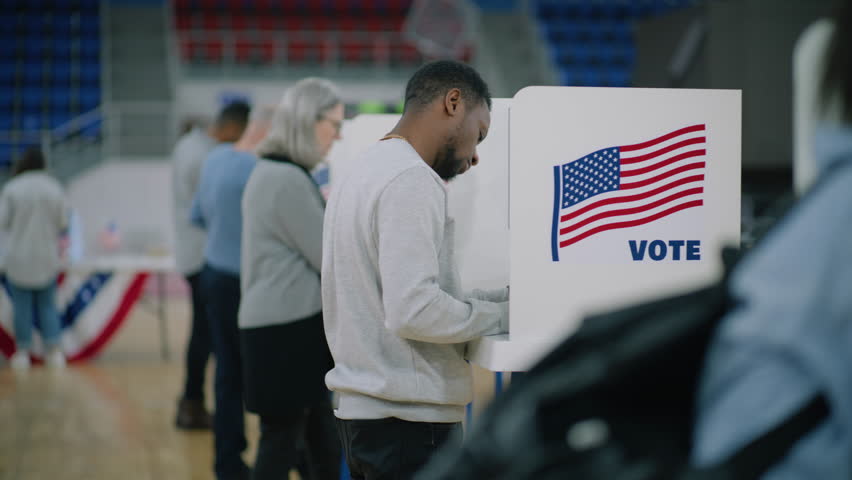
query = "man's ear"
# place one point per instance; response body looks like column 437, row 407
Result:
column 453, row 102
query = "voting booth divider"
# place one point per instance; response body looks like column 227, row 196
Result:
column 587, row 200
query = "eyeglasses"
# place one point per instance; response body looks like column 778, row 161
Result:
column 337, row 124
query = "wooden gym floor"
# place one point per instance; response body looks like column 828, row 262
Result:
column 112, row 418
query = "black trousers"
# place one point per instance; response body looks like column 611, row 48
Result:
column 200, row 345
column 392, row 449
column 222, row 292
column 305, row 439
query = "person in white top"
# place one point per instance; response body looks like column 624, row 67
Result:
column 187, row 159
column 34, row 213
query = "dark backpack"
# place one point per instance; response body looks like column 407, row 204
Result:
column 616, row 401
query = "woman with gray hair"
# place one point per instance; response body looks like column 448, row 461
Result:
column 285, row 354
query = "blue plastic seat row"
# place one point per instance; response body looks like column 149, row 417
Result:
column 57, row 72
column 591, row 53
column 606, row 8
column 595, row 77
column 56, row 23
column 41, row 5
column 573, row 30
column 60, row 51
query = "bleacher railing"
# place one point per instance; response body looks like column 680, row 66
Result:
column 111, row 131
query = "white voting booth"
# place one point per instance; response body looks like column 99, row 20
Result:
column 585, row 200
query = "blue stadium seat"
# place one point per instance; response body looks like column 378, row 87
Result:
column 8, row 72
column 90, row 72
column 60, row 73
column 6, row 122
column 60, row 49
column 60, row 99
column 35, row 47
column 8, row 21
column 582, row 76
column 31, row 122
column 90, row 47
column 89, row 98
column 5, row 155
column 61, row 26
column 90, row 24
column 617, row 77
column 31, row 98
column 621, row 31
column 59, row 118
column 32, row 73
column 7, row 99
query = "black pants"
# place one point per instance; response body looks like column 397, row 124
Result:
column 222, row 293
column 199, row 346
column 305, row 439
column 390, row 448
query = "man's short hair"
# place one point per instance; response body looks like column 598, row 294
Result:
column 437, row 78
column 32, row 159
column 236, row 113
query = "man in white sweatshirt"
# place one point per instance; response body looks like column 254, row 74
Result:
column 396, row 320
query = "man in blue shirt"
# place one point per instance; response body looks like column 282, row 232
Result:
column 216, row 209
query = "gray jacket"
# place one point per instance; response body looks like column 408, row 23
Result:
column 281, row 246
column 33, row 211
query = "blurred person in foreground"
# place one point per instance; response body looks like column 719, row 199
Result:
column 396, row 320
column 285, row 355
column 790, row 336
column 187, row 159
column 216, row 209
column 34, row 213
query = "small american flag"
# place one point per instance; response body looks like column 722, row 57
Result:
column 628, row 186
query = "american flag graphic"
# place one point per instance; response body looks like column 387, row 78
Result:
column 628, row 186
column 92, row 306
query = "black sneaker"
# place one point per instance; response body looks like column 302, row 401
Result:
column 192, row 415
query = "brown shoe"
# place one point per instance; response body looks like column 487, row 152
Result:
column 192, row 415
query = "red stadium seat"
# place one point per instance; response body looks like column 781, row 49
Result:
column 183, row 22
column 395, row 24
column 353, row 51
column 188, row 49
column 243, row 47
column 211, row 21
column 266, row 50
column 293, row 24
column 357, row 32
column 321, row 24
column 315, row 7
column 405, row 54
column 240, row 21
column 213, row 51
column 269, row 23
column 375, row 24
column 298, row 51
column 348, row 24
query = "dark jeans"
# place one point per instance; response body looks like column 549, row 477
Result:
column 222, row 293
column 306, row 439
column 199, row 346
column 390, row 448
